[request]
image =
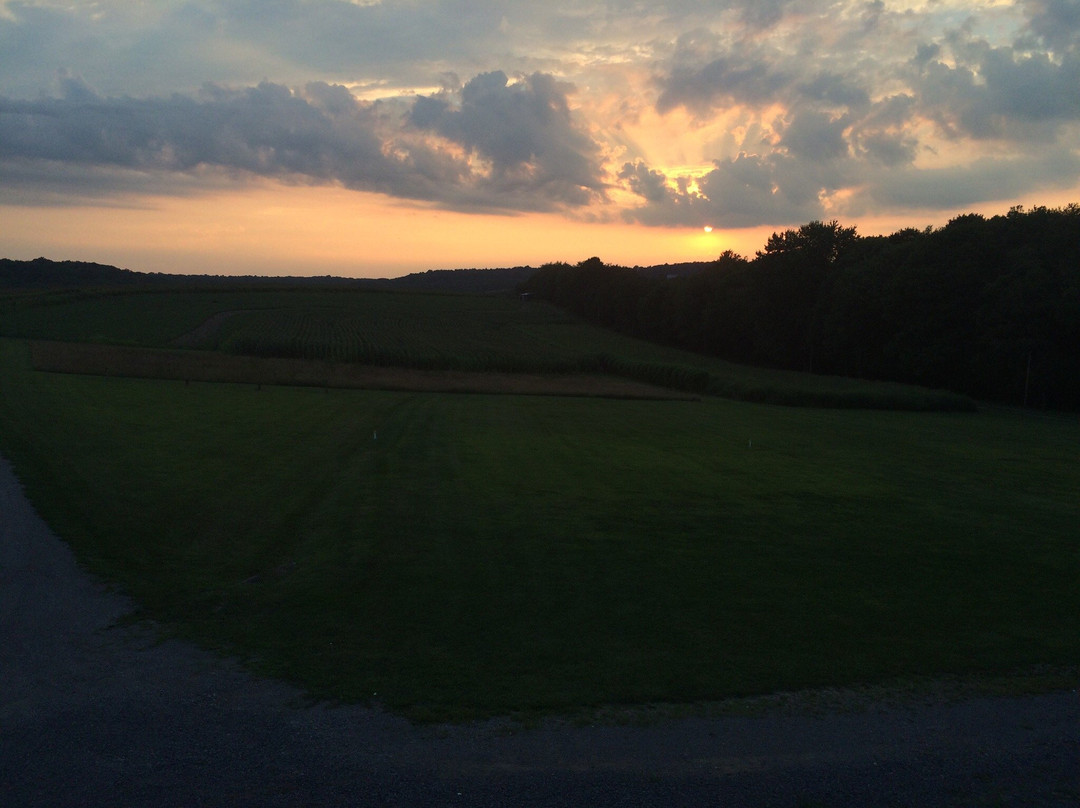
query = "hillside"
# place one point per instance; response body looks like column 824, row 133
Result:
column 421, row 331
column 45, row 274
column 985, row 307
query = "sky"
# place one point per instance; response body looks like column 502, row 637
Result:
column 380, row 137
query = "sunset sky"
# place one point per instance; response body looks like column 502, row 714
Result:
column 376, row 138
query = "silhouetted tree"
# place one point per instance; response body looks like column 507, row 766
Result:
column 988, row 307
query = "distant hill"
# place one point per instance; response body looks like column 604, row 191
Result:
column 41, row 273
column 44, row 274
column 472, row 281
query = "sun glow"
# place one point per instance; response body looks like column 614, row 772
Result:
column 271, row 229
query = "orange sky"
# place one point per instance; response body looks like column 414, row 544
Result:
column 284, row 230
column 278, row 230
column 383, row 137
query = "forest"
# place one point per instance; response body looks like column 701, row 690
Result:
column 988, row 307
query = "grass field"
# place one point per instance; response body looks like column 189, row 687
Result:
column 424, row 331
column 457, row 555
column 214, row 366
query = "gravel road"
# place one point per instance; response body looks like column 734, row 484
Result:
column 96, row 714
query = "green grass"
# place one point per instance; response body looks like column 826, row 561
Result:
column 139, row 318
column 490, row 554
column 429, row 331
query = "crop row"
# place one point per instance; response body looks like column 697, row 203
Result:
column 431, row 332
column 466, row 343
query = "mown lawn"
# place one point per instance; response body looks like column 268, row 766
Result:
column 466, row 555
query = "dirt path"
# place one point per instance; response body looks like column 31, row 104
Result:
column 97, row 715
column 206, row 329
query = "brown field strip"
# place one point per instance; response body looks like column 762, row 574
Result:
column 208, row 366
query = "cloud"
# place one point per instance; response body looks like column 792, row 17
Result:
column 999, row 92
column 744, row 191
column 150, row 48
column 734, row 112
column 318, row 133
column 813, row 135
column 647, row 183
column 524, row 129
column 818, row 58
column 739, row 77
column 865, row 106
column 887, row 148
column 1055, row 22
column 883, row 136
column 355, row 36
column 776, row 189
column 124, row 47
column 958, row 186
column 179, row 45
column 267, row 130
column 833, row 90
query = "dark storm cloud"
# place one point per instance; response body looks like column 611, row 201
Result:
column 316, row 134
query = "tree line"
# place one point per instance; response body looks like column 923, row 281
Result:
column 989, row 307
